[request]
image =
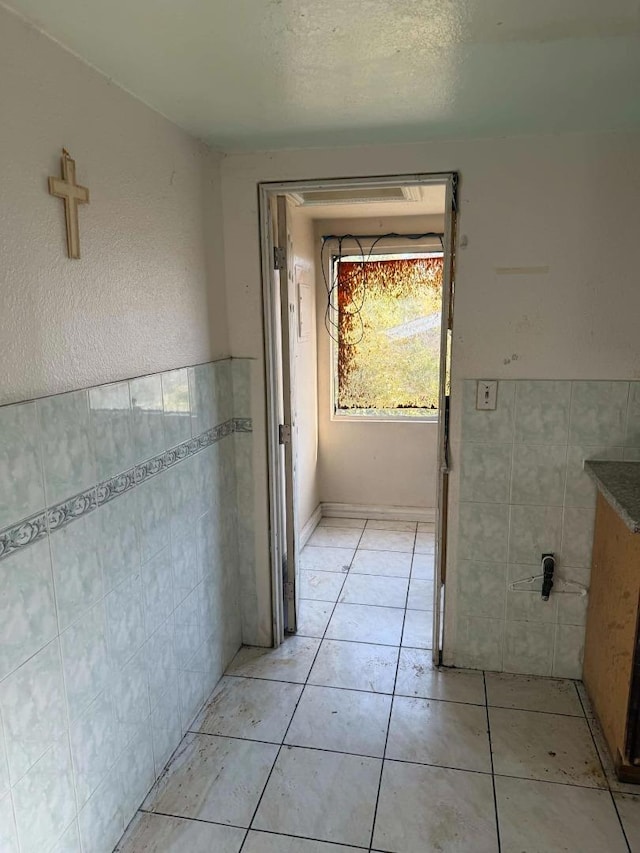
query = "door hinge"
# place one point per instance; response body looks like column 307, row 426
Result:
column 288, row 591
column 284, row 434
column 279, row 258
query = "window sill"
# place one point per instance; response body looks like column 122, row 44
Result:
column 386, row 419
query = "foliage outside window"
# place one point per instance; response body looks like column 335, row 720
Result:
column 388, row 336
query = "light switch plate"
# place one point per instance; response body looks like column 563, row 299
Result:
column 487, row 395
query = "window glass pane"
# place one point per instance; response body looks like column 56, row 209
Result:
column 389, row 336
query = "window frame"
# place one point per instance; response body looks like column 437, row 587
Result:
column 430, row 247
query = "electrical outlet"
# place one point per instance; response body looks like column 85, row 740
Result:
column 487, row 395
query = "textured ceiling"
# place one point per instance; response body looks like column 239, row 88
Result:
column 280, row 73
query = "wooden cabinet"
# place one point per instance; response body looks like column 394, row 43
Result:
column 612, row 652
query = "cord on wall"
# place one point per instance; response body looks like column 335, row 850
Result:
column 331, row 284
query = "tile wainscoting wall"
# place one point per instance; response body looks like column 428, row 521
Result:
column 519, row 489
column 120, row 589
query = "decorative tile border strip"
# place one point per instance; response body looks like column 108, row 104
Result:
column 53, row 518
column 118, row 485
column 148, row 468
column 63, row 513
column 23, row 534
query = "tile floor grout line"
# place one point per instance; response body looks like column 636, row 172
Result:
column 323, row 637
column 604, row 770
column 377, row 550
column 364, row 604
column 534, row 711
column 309, row 838
column 622, row 829
column 315, row 684
column 493, row 775
column 374, row 692
column 244, row 828
column 306, row 681
column 358, row 574
column 551, row 781
column 367, row 755
column 393, row 696
column 384, row 645
column 337, row 640
column 194, row 819
column 593, row 740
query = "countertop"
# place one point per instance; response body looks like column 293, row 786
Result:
column 619, row 483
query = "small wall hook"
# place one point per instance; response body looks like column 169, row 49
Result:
column 548, row 568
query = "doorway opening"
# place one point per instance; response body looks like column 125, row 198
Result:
column 358, row 308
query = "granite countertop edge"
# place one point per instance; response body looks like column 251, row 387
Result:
column 619, row 484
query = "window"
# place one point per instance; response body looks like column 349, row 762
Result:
column 387, row 336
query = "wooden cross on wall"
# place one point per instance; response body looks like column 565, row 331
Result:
column 72, row 194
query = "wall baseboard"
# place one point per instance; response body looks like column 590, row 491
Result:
column 310, row 526
column 381, row 513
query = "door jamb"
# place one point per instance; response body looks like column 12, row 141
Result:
column 266, row 190
column 276, row 549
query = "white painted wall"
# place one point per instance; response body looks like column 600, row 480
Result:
column 305, row 365
column 371, row 463
column 138, row 299
column 568, row 203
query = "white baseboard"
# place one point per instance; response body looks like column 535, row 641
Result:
column 310, row 526
column 379, row 513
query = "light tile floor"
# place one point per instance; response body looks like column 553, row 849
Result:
column 346, row 738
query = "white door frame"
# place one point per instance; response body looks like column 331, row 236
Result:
column 276, row 500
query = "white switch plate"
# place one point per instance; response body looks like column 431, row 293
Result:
column 487, row 395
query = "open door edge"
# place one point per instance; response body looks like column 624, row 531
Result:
column 439, row 601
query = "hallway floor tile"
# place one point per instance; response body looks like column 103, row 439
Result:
column 417, row 676
column 547, row 747
column 214, row 778
column 541, row 816
column 529, row 693
column 250, row 708
column 388, row 563
column 341, row 720
column 320, row 586
column 433, row 808
column 347, row 738
column 313, row 618
column 386, row 524
column 356, row 666
column 316, row 558
column 354, row 523
column 457, row 738
column 335, row 537
column 416, row 632
column 329, row 796
column 263, row 842
column 289, row 662
column 371, row 589
column 422, row 566
column 366, row 623
column 388, row 540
